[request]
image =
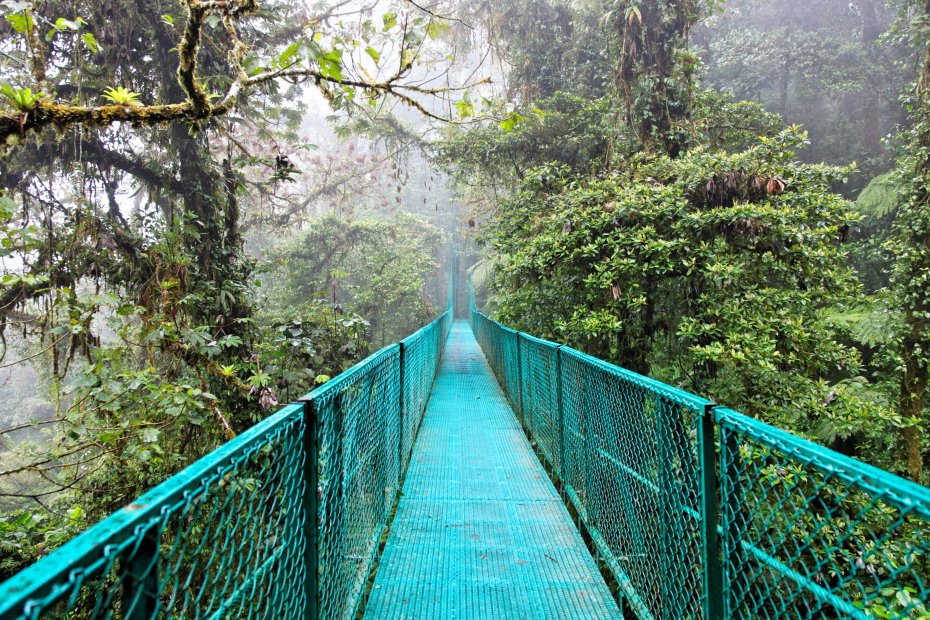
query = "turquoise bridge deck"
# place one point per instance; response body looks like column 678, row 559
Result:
column 480, row 531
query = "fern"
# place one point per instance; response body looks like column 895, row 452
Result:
column 879, row 198
column 870, row 324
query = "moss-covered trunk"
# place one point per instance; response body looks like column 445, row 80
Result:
column 912, row 278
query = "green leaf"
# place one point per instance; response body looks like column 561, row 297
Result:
column 465, row 108
column 510, row 123
column 285, row 59
column 90, row 42
column 390, row 20
column 7, row 208
column 330, row 69
column 22, row 99
column 121, row 96
column 66, row 24
column 375, row 54
column 436, row 29
column 21, row 22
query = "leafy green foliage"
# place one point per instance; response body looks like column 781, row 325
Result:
column 21, row 99
column 879, row 198
column 121, row 96
column 19, row 16
column 712, row 271
column 554, row 47
column 25, row 535
column 563, row 128
column 377, row 269
column 308, row 344
column 725, row 123
column 656, row 70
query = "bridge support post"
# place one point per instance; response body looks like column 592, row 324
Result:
column 710, row 540
column 400, row 416
column 733, row 522
column 526, row 424
column 561, row 413
column 311, row 512
column 140, row 587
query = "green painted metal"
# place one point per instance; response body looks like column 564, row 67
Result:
column 710, row 516
column 222, row 538
column 480, row 531
column 702, row 512
column 808, row 532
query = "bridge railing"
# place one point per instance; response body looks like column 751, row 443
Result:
column 366, row 422
column 285, row 521
column 224, row 537
column 701, row 512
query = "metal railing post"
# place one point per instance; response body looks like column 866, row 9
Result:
column 731, row 522
column 400, row 417
column 520, row 387
column 311, row 512
column 710, row 514
column 561, row 413
column 140, row 587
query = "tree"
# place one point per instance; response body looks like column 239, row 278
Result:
column 911, row 273
column 656, row 71
column 318, row 58
column 828, row 65
column 717, row 272
column 130, row 135
column 376, row 268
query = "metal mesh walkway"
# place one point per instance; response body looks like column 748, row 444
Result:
column 480, row 531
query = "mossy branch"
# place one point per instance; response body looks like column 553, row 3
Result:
column 198, row 107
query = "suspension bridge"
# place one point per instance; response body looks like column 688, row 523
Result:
column 472, row 471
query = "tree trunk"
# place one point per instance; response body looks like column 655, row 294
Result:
column 912, row 277
column 652, row 75
column 871, row 104
column 913, row 393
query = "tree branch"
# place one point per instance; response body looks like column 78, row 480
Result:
column 197, row 106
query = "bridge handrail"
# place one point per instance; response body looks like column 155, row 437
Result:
column 699, row 511
column 113, row 557
column 229, row 536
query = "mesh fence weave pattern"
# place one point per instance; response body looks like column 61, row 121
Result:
column 809, row 533
column 229, row 537
column 366, row 422
column 224, row 538
column 782, row 529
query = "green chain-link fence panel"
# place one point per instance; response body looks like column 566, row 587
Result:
column 229, row 536
column 782, row 529
column 366, row 422
column 539, row 365
column 357, row 434
column 224, row 538
column 422, row 352
column 631, row 471
column 502, row 354
column 809, row 533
